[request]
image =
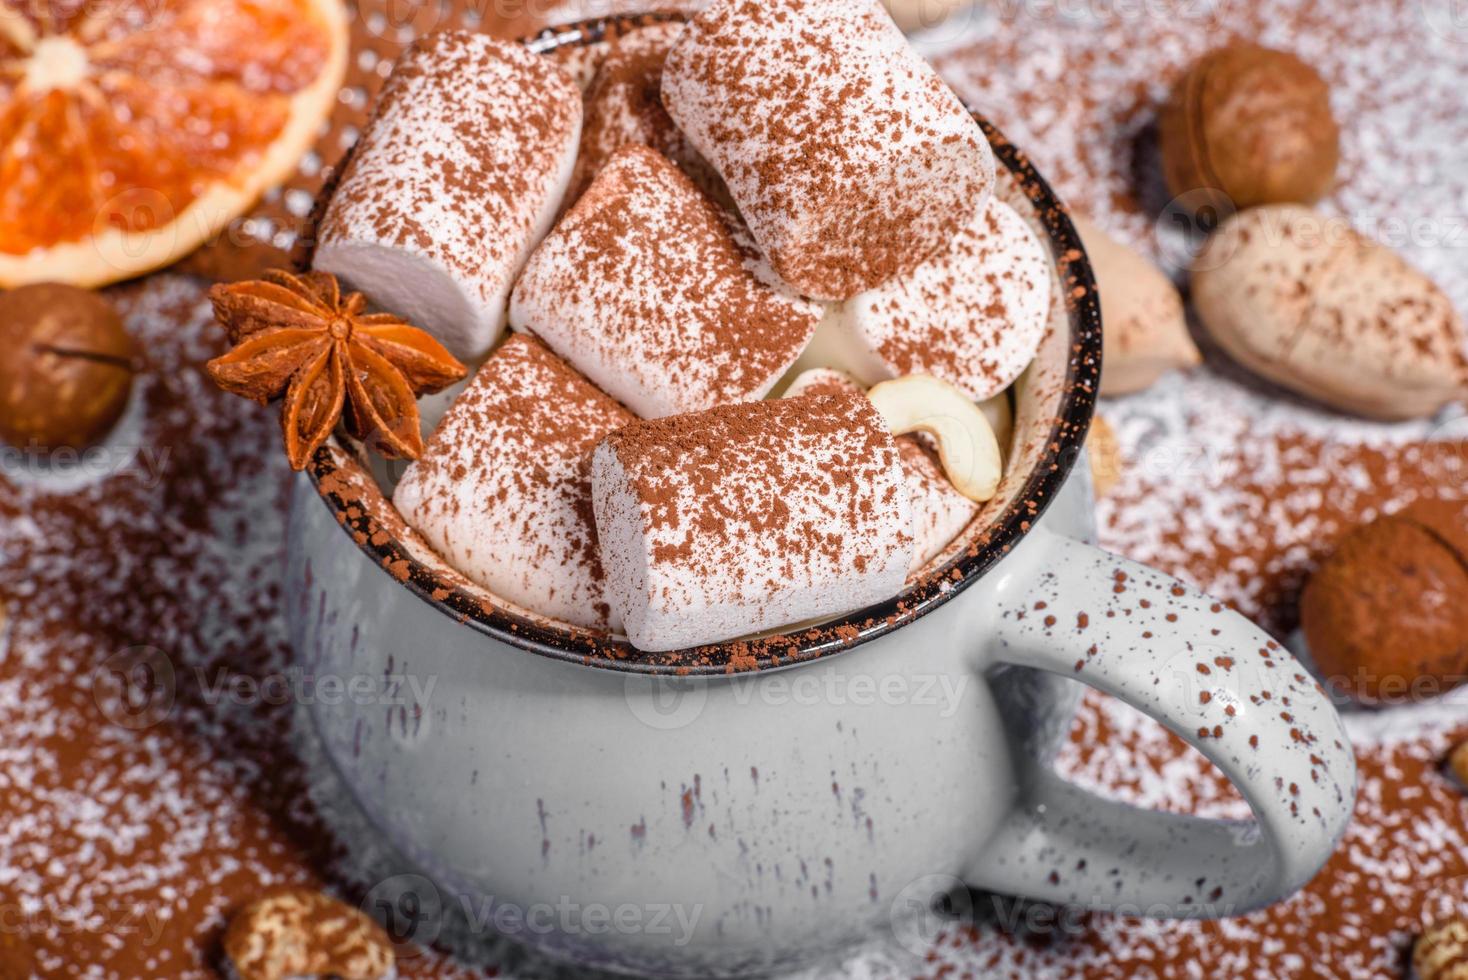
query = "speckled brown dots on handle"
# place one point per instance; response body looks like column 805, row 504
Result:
column 1218, row 682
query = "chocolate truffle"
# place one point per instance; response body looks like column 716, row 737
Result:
column 1385, row 616
column 67, row 368
column 1252, row 123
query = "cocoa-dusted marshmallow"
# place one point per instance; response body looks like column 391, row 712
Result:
column 939, row 512
column 503, row 491
column 624, row 106
column 973, row 315
column 848, row 156
column 748, row 518
column 646, row 289
column 455, row 178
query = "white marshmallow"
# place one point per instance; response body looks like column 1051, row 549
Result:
column 623, row 106
column 973, row 316
column 823, row 381
column 747, row 518
column 456, row 177
column 848, row 156
column 939, row 512
column 644, row 287
column 503, row 490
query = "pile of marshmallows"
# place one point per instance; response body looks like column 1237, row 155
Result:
column 775, row 178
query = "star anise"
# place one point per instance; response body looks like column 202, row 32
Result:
column 299, row 337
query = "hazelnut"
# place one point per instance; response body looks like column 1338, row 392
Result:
column 1252, row 123
column 68, row 366
column 1385, row 611
column 1458, row 763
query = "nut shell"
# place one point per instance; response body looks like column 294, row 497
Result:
column 294, row 932
column 1386, row 610
column 1104, row 451
column 1309, row 303
column 1447, row 519
column 1441, row 953
column 1144, row 329
column 1253, row 123
column 1458, row 763
column 918, row 15
column 67, row 369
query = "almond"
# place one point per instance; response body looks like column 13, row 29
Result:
column 919, row 15
column 1104, row 452
column 1311, row 304
column 1144, row 331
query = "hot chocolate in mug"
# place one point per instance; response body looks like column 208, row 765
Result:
column 759, row 805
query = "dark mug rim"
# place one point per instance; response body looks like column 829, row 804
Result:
column 934, row 589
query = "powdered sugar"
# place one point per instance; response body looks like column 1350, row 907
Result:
column 193, row 816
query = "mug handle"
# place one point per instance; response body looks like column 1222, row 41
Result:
column 1213, row 678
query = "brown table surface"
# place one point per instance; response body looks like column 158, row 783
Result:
column 128, row 833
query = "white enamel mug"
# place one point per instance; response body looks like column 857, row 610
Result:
column 757, row 807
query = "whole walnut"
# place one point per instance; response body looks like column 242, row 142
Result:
column 1386, row 615
column 1252, row 123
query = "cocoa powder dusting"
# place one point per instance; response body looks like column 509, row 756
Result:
column 138, row 816
column 849, row 158
column 653, row 291
column 183, row 554
column 752, row 480
column 623, row 105
column 503, row 491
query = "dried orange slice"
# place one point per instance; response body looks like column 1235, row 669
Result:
column 132, row 131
